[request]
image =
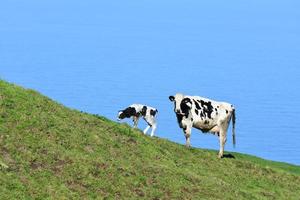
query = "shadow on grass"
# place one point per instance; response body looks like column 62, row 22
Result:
column 228, row 156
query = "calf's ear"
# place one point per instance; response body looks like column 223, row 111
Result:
column 172, row 98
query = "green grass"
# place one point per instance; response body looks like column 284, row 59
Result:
column 48, row 151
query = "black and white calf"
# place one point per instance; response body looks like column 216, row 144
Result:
column 204, row 114
column 138, row 110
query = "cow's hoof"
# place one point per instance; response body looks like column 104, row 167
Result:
column 220, row 156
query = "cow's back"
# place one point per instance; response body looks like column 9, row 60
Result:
column 207, row 113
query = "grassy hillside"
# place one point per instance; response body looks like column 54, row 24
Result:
column 50, row 151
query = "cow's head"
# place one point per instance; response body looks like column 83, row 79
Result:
column 127, row 113
column 180, row 104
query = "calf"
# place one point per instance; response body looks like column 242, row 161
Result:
column 138, row 110
column 204, row 114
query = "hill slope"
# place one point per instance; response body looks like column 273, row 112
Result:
column 50, row 151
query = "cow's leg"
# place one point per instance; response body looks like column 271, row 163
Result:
column 223, row 135
column 222, row 138
column 149, row 124
column 187, row 134
column 135, row 121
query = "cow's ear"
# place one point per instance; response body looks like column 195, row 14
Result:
column 172, row 98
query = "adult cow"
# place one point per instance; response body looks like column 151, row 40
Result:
column 204, row 114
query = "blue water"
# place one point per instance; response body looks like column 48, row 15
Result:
column 101, row 56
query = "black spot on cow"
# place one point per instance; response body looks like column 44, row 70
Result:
column 226, row 111
column 217, row 113
column 196, row 111
column 202, row 114
column 202, row 103
column 128, row 112
column 207, row 108
column 216, row 109
column 184, row 107
column 186, row 100
column 153, row 112
column 144, row 111
column 179, row 119
column 197, row 105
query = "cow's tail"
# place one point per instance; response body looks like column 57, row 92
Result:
column 233, row 127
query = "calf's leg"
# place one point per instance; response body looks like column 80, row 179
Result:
column 151, row 121
column 135, row 122
column 146, row 129
column 153, row 129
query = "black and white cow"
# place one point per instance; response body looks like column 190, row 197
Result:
column 204, row 114
column 138, row 110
